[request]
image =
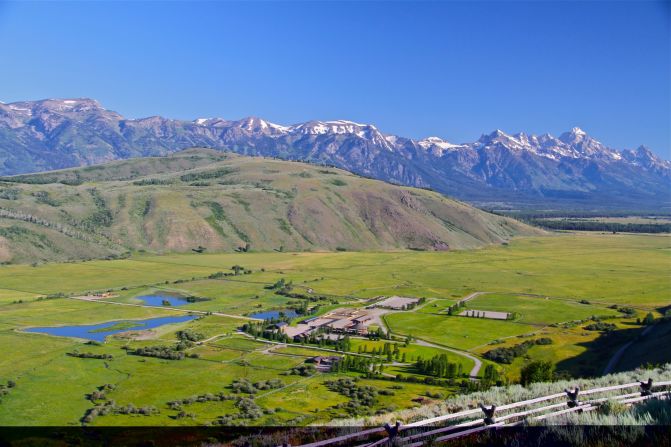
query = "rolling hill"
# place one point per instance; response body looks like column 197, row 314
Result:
column 200, row 199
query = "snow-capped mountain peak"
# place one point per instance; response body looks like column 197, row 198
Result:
column 437, row 145
column 57, row 133
column 254, row 124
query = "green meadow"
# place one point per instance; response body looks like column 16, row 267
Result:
column 551, row 285
column 539, row 310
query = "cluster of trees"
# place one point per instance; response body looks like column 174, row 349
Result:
column 206, row 175
column 102, row 216
column 354, row 363
column 303, row 370
column 240, row 270
column 438, row 366
column 10, row 193
column 25, row 217
column 592, row 225
column 508, row 354
column 281, row 285
column 247, row 410
column 100, row 393
column 455, row 308
column 99, row 410
column 378, row 334
column 343, row 344
column 189, row 335
column 161, row 352
column 601, row 326
column 186, row 339
column 90, row 355
column 236, row 270
column 361, row 397
column 285, row 288
column 45, row 198
column 70, row 179
column 650, row 319
column 244, row 249
column 491, row 376
column 265, row 330
column 152, row 181
column 110, row 407
column 627, row 311
column 201, row 398
column 245, row 386
column 4, row 388
column 580, row 221
column 389, row 350
column 540, row 371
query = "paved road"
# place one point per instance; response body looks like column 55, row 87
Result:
column 178, row 309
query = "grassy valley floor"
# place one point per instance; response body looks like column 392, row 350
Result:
column 551, row 286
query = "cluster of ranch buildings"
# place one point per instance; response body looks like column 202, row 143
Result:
column 345, row 321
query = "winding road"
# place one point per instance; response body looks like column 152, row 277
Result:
column 478, row 363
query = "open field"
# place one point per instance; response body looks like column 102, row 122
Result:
column 606, row 269
column 540, row 280
column 456, row 332
column 538, row 310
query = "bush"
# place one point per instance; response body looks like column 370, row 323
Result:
column 162, row 352
column 601, row 326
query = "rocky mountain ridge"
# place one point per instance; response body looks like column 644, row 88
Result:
column 573, row 170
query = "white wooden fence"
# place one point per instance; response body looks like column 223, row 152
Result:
column 475, row 420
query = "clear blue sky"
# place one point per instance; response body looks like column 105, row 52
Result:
column 451, row 69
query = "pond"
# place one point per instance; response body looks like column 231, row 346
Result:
column 158, row 299
column 270, row 314
column 98, row 332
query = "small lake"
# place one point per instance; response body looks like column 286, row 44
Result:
column 157, row 300
column 270, row 314
column 98, row 332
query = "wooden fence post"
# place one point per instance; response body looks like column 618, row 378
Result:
column 646, row 388
column 572, row 397
column 489, row 414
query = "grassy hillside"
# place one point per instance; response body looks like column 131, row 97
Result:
column 220, row 201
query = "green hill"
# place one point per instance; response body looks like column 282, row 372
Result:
column 221, row 202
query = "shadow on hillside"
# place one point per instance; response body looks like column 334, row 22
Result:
column 598, row 352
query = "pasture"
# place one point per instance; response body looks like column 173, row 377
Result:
column 543, row 281
column 539, row 310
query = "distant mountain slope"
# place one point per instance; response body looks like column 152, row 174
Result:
column 499, row 170
column 223, row 201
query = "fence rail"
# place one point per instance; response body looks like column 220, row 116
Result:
column 487, row 418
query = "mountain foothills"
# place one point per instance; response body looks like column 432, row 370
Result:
column 499, row 170
column 205, row 200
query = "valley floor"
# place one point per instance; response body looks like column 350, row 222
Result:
column 550, row 287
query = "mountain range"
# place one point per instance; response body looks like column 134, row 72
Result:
column 499, row 170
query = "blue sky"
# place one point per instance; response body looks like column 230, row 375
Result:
column 451, row 69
